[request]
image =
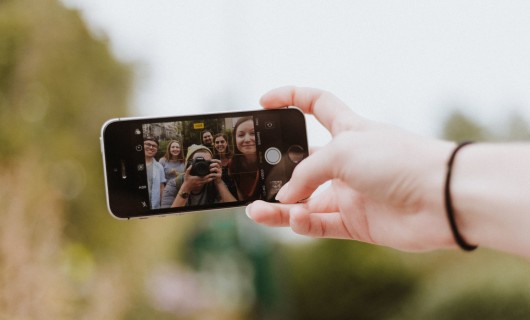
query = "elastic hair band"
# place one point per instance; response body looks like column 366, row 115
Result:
column 449, row 205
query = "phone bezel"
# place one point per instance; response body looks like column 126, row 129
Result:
column 188, row 117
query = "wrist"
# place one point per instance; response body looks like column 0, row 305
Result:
column 436, row 229
column 468, row 198
column 183, row 194
column 184, row 188
column 490, row 195
column 448, row 201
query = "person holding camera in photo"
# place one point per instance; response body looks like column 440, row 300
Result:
column 200, row 184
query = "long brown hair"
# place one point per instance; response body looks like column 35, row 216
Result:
column 244, row 174
column 228, row 152
column 169, row 157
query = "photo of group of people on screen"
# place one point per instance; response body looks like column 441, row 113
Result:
column 211, row 168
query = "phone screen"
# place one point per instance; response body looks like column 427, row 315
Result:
column 157, row 166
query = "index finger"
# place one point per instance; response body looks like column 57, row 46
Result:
column 329, row 110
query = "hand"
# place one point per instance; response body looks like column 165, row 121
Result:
column 386, row 184
column 216, row 171
column 193, row 183
column 216, row 175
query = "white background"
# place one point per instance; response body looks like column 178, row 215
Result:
column 404, row 62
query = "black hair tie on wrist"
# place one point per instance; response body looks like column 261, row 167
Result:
column 449, row 205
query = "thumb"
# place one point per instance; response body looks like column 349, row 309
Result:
column 312, row 172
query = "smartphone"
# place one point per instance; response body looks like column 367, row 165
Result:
column 181, row 164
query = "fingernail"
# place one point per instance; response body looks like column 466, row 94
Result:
column 281, row 194
column 247, row 211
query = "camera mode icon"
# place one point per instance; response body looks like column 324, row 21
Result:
column 270, row 125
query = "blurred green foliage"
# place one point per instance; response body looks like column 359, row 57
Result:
column 486, row 304
column 338, row 279
column 62, row 256
column 57, row 86
column 458, row 126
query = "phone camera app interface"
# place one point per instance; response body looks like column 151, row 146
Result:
column 205, row 162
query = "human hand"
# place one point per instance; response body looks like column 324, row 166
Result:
column 386, row 183
column 192, row 182
column 216, row 171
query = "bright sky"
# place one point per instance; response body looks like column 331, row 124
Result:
column 402, row 62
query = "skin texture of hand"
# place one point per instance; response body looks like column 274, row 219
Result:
column 216, row 171
column 386, row 184
column 193, row 183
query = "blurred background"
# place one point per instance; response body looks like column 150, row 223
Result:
column 457, row 70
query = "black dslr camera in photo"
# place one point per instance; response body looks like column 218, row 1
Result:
column 200, row 167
